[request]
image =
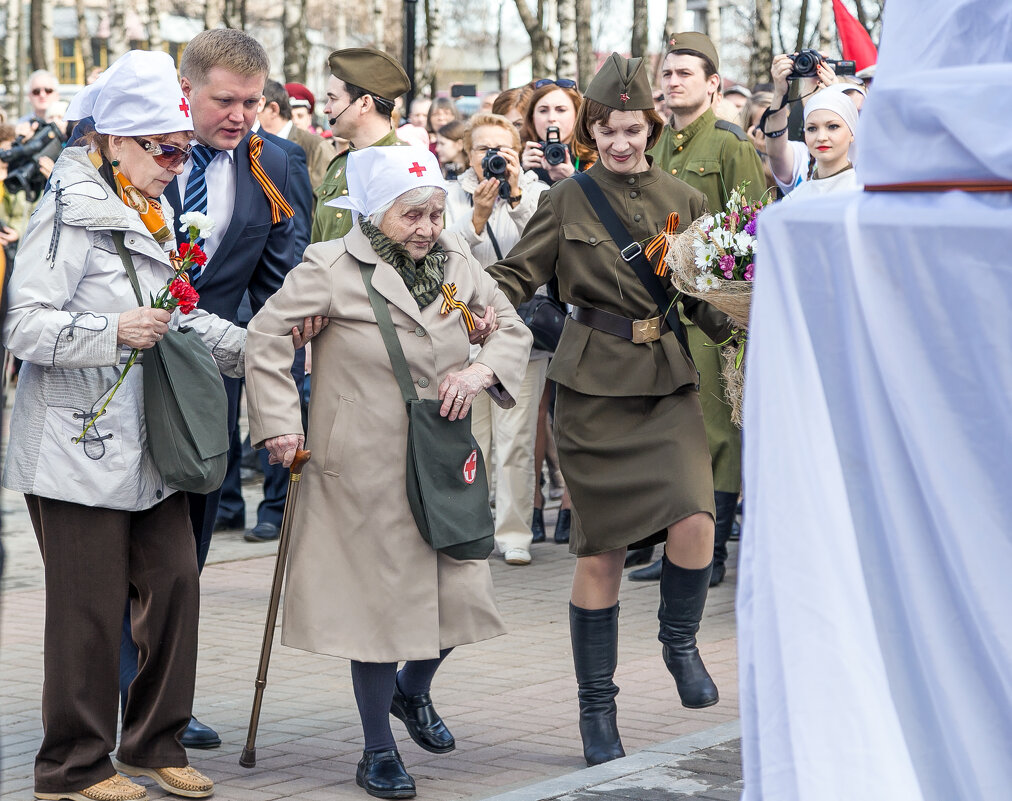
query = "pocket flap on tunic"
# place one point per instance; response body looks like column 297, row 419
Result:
column 592, row 233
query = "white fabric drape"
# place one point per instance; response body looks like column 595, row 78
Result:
column 875, row 595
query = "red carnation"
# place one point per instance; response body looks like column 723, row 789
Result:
column 185, row 295
column 191, row 252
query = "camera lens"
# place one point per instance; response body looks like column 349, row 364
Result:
column 805, row 63
column 555, row 153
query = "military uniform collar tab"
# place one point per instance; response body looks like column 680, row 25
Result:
column 704, row 120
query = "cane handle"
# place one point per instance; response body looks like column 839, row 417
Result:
column 301, row 457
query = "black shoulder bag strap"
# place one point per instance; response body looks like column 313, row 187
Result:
column 632, row 254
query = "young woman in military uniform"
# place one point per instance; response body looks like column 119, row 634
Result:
column 628, row 422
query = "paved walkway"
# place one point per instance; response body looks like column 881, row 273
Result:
column 510, row 702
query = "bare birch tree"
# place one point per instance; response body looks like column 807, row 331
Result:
column 541, row 41
column 827, row 27
column 11, row 50
column 117, row 43
column 294, row 30
column 340, row 24
column 586, row 60
column 433, row 43
column 154, row 25
column 39, row 34
column 675, row 19
column 565, row 65
column 762, row 48
column 713, row 22
column 640, row 43
column 802, row 24
column 84, row 40
column 212, row 14
column 379, row 22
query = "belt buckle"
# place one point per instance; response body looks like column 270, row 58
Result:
column 646, row 330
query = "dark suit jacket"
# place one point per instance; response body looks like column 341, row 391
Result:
column 300, row 195
column 255, row 254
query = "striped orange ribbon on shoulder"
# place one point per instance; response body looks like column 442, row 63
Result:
column 279, row 206
column 658, row 246
column 450, row 303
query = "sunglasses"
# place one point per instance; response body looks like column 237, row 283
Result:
column 38, row 90
column 562, row 83
column 167, row 156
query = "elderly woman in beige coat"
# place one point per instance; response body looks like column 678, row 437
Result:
column 362, row 583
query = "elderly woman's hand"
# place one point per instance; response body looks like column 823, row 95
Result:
column 483, row 326
column 141, row 328
column 282, row 449
column 458, row 390
column 311, row 326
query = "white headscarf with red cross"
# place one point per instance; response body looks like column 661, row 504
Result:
column 379, row 175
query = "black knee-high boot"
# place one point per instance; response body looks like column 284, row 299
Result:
column 726, row 503
column 595, row 655
column 683, row 595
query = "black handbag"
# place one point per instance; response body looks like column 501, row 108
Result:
column 446, row 481
column 185, row 407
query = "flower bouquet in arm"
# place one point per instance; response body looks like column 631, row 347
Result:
column 714, row 260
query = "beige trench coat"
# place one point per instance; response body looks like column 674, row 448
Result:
column 361, row 583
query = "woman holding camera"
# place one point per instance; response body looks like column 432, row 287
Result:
column 489, row 205
column 549, row 123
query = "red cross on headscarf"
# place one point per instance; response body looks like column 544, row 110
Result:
column 417, row 169
column 184, row 106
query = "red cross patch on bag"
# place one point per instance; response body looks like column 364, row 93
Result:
column 470, row 470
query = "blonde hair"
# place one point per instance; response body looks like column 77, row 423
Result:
column 229, row 49
column 495, row 121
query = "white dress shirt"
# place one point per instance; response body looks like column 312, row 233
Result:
column 220, row 177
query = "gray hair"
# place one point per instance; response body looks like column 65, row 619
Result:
column 41, row 74
column 413, row 197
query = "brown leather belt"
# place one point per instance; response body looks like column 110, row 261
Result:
column 638, row 331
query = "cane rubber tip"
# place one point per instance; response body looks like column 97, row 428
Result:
column 248, row 758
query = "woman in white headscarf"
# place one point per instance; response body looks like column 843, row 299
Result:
column 362, row 583
column 830, row 123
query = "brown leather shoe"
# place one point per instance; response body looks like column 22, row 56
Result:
column 115, row 788
column 187, row 782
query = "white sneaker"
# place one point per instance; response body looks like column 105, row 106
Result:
column 517, row 556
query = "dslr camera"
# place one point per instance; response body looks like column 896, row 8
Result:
column 807, row 61
column 553, row 148
column 494, row 165
column 23, row 173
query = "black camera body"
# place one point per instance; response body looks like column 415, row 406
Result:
column 23, row 173
column 494, row 165
column 806, row 65
column 553, row 148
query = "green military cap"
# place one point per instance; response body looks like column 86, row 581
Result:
column 621, row 84
column 371, row 69
column 697, row 43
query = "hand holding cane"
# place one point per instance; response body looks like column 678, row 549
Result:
column 249, row 753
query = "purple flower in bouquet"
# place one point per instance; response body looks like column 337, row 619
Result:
column 727, row 265
column 749, row 268
column 750, row 226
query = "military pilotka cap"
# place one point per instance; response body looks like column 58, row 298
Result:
column 373, row 70
column 697, row 43
column 621, row 84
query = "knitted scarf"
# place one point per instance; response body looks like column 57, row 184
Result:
column 422, row 278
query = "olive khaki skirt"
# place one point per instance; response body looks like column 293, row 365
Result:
column 633, row 466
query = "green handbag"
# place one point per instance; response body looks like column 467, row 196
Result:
column 185, row 407
column 447, row 485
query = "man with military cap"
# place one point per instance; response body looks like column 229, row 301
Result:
column 714, row 156
column 364, row 83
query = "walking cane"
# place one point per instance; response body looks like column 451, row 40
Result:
column 249, row 753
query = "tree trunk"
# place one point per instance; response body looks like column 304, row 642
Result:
column 379, row 13
column 295, row 22
column 118, row 44
column 675, row 20
column 799, row 45
column 862, row 16
column 433, row 42
column 586, row 59
column 713, row 23
column 762, row 50
column 84, row 41
column 503, row 79
column 12, row 61
column 565, row 64
column 541, row 43
column 640, row 43
column 780, row 27
column 40, row 36
column 827, row 27
column 340, row 24
column 154, row 26
column 212, row 14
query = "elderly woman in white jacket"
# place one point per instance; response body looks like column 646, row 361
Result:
column 103, row 517
column 491, row 222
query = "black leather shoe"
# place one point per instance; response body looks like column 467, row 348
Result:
column 717, row 575
column 197, row 735
column 538, row 526
column 639, row 556
column 229, row 523
column 422, row 722
column 262, row 532
column 648, row 573
column 382, row 774
column 562, row 525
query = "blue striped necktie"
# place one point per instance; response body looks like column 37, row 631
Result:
column 195, row 198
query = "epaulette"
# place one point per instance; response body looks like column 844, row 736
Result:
column 724, row 125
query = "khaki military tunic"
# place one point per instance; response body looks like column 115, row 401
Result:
column 628, row 423
column 330, row 222
column 714, row 157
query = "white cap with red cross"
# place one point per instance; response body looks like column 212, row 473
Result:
column 379, row 175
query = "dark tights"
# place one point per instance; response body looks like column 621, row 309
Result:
column 374, row 690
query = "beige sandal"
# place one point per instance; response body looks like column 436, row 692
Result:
column 115, row 788
column 187, row 782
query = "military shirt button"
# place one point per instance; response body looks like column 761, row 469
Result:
column 419, row 332
column 678, row 136
column 701, row 169
column 637, row 217
column 340, row 214
column 674, row 172
column 634, row 193
column 344, row 191
column 423, row 382
column 679, row 147
column 158, row 493
column 631, row 181
column 593, row 240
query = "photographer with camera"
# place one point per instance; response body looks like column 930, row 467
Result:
column 489, row 205
column 549, row 122
column 14, row 210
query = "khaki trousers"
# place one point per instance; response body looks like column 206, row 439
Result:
column 92, row 556
column 512, row 431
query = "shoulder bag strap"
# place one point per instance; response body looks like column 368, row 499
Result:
column 495, row 242
column 386, row 327
column 128, row 265
column 632, row 254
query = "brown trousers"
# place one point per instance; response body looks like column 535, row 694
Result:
column 92, row 557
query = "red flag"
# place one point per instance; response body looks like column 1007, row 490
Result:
column 854, row 39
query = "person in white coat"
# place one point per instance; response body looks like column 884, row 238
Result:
column 492, row 224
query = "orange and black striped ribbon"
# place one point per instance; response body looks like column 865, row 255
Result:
column 279, row 206
column 450, row 303
column 659, row 244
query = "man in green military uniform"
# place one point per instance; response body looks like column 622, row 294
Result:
column 363, row 85
column 713, row 156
